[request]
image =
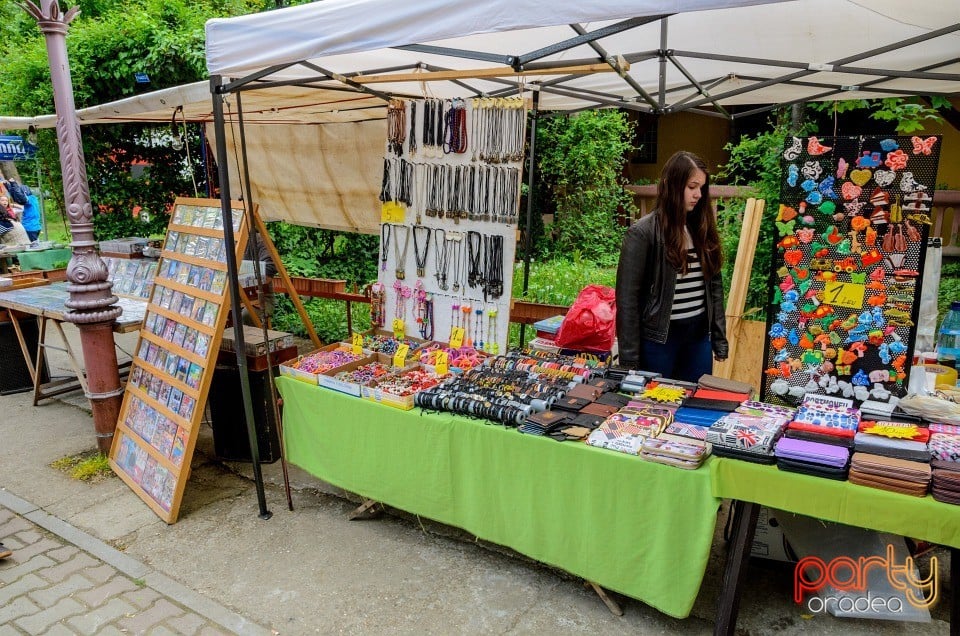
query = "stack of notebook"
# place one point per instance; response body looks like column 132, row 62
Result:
column 682, row 453
column 745, row 437
column 889, row 473
column 946, row 481
column 825, row 423
column 812, row 458
column 893, row 439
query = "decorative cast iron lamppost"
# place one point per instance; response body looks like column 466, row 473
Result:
column 91, row 303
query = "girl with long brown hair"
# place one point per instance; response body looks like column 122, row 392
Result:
column 670, row 309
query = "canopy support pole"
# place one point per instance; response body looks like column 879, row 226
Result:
column 602, row 52
column 531, row 183
column 223, row 170
column 662, row 53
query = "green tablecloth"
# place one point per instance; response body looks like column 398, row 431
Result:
column 641, row 529
column 45, row 259
column 840, row 501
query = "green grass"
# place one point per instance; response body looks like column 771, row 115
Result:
column 57, row 230
column 89, row 466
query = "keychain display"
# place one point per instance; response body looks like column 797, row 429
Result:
column 847, row 265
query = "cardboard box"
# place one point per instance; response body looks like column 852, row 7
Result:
column 253, row 341
column 290, row 370
column 327, row 380
column 375, row 394
column 769, row 541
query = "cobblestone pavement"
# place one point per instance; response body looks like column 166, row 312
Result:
column 51, row 586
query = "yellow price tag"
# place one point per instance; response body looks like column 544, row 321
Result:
column 392, row 212
column 443, row 363
column 400, row 357
column 456, row 337
column 399, row 329
column 357, row 344
column 849, row 295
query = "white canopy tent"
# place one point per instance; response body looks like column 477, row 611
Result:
column 314, row 78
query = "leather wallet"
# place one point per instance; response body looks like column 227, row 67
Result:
column 812, row 452
column 716, row 394
column 735, row 453
column 571, row 404
column 807, row 468
column 890, row 467
column 588, row 420
column 900, row 448
column 548, row 418
column 613, row 399
column 584, row 391
column 604, row 384
column 709, row 381
column 595, row 408
column 846, row 442
column 710, row 404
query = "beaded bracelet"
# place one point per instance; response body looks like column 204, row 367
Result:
column 323, row 361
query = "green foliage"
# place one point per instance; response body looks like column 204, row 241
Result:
column 908, row 114
column 108, row 43
column 112, row 225
column 949, row 287
column 309, row 251
column 329, row 318
column 558, row 281
column 754, row 162
column 581, row 158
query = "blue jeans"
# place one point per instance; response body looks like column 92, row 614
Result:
column 686, row 355
column 33, row 235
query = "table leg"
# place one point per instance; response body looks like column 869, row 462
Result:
column 41, row 356
column 81, row 378
column 954, row 592
column 738, row 552
column 23, row 345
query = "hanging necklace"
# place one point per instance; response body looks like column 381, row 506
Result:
column 441, row 260
column 378, row 296
column 402, row 293
column 457, row 252
column 493, row 341
column 396, row 126
column 413, row 128
column 400, row 257
column 386, row 230
column 474, row 250
column 495, row 267
column 421, row 257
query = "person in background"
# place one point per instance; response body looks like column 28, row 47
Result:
column 31, row 217
column 6, row 210
column 670, row 308
column 12, row 232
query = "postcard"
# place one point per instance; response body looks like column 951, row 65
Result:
column 194, row 375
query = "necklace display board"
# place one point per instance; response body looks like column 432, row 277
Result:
column 451, row 194
column 175, row 355
column 851, row 237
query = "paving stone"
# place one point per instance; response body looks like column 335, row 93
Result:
column 100, row 574
column 20, row 587
column 8, row 575
column 14, row 525
column 188, row 624
column 32, row 549
column 212, row 631
column 36, row 623
column 110, row 630
column 6, row 515
column 93, row 620
column 12, row 543
column 76, row 563
column 29, row 536
column 100, row 594
column 9, row 630
column 49, row 596
column 143, row 597
column 16, row 609
column 161, row 631
column 63, row 553
column 160, row 612
column 59, row 630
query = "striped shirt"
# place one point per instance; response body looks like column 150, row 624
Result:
column 690, row 291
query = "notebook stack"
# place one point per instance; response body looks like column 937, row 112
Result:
column 944, row 447
column 888, row 473
column 682, row 453
column 746, row 437
column 893, row 439
column 812, row 458
column 625, row 430
column 824, row 422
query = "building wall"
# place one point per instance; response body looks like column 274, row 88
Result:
column 699, row 134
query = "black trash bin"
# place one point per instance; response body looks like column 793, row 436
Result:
column 230, row 439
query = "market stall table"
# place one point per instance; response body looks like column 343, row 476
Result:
column 639, row 528
column 47, row 302
column 752, row 485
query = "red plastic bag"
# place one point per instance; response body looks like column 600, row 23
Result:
column 591, row 323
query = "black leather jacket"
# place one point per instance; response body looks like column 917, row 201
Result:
column 645, row 286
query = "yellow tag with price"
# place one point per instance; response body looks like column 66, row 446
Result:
column 357, row 344
column 400, row 357
column 456, row 337
column 849, row 295
column 443, row 363
column 399, row 329
column 392, row 212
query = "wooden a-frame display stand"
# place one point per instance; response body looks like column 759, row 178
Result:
column 176, row 353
